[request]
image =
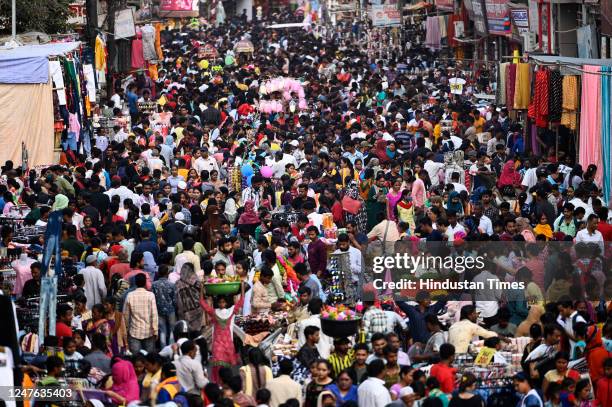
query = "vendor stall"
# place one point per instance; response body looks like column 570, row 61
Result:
column 29, row 75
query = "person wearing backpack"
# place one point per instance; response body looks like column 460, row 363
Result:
column 148, row 222
column 568, row 318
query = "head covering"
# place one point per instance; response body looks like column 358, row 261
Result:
column 212, row 217
column 125, row 382
column 405, row 391
column 60, row 203
column 381, row 151
column 188, row 274
column 454, row 206
column 509, row 175
column 91, row 259
column 324, row 394
column 248, row 217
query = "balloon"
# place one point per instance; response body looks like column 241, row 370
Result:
column 266, row 172
column 247, row 170
column 248, row 179
column 218, row 156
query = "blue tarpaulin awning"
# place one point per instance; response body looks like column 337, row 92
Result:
column 30, row 63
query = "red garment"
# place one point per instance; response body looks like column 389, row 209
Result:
column 224, row 353
column 509, row 176
column 510, row 83
column 445, row 375
column 595, row 353
column 603, row 392
column 540, row 98
column 336, row 211
column 606, row 230
column 138, row 61
column 62, row 331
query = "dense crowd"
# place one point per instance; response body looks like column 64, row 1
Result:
column 237, row 176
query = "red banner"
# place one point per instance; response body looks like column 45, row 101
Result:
column 446, row 5
column 178, row 5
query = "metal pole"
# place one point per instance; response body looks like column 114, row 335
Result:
column 14, row 19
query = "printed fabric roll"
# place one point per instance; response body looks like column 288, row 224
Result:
column 502, row 74
column 522, row 89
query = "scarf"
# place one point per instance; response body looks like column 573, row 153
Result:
column 543, row 230
column 454, row 206
column 248, row 217
column 508, row 175
column 125, row 382
column 60, row 203
column 381, row 151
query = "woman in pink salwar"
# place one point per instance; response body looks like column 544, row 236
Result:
column 222, row 318
column 393, row 197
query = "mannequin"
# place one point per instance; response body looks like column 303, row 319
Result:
column 23, row 273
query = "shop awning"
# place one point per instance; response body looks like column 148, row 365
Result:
column 30, row 63
column 569, row 61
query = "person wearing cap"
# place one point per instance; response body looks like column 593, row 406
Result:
column 95, row 286
column 405, row 398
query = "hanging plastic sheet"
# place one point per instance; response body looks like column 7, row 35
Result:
column 606, row 131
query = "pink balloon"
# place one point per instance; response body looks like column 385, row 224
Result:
column 266, row 172
column 303, row 105
column 218, row 156
column 286, row 95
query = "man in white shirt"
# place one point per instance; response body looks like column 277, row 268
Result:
column 485, row 225
column 95, row 286
column 121, row 190
column 568, row 318
column 432, row 169
column 325, row 342
column 453, row 226
column 355, row 257
column 372, row 392
column 204, row 161
column 590, row 234
column 189, row 371
column 487, row 300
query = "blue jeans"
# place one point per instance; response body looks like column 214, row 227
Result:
column 70, row 142
column 48, row 303
column 52, row 247
column 166, row 323
column 136, row 345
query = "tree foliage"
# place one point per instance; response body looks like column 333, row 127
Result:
column 48, row 16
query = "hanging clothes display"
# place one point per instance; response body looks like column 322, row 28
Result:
column 522, row 89
column 510, row 86
column 606, row 131
column 538, row 109
column 100, row 60
column 570, row 102
column 502, row 74
column 138, row 61
column 432, row 35
column 148, row 43
column 55, row 69
column 555, row 96
column 158, row 49
column 590, row 120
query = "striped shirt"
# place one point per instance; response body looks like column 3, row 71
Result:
column 339, row 363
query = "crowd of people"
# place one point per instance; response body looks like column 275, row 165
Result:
column 216, row 185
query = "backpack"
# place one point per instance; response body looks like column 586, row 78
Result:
column 147, row 224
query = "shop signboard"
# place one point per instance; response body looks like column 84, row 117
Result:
column 385, row 15
column 179, row 8
column 447, row 5
column 498, row 17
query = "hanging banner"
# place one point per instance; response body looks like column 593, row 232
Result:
column 498, row 17
column 179, row 8
column 385, row 16
column 480, row 17
column 448, row 5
